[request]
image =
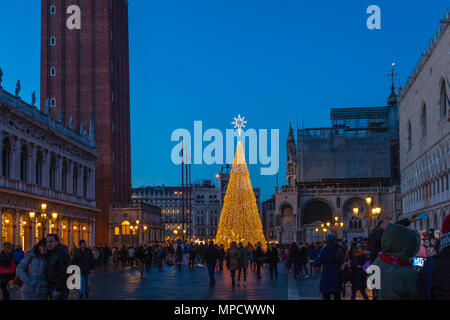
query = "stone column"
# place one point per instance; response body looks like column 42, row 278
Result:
column 93, row 232
column 15, row 158
column 16, row 226
column 70, row 233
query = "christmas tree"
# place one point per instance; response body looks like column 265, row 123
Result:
column 239, row 220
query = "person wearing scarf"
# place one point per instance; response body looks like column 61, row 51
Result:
column 434, row 278
column 398, row 279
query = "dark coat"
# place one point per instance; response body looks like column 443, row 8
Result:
column 272, row 256
column 84, row 259
column 359, row 276
column 331, row 259
column 300, row 256
column 58, row 261
column 211, row 255
column 440, row 282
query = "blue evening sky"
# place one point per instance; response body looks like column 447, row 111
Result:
column 269, row 60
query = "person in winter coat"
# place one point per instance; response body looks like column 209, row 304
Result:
column 243, row 262
column 221, row 256
column 84, row 258
column 433, row 282
column 331, row 259
column 233, row 257
column 31, row 270
column 258, row 257
column 18, row 255
column 398, row 278
column 287, row 261
column 210, row 255
column 358, row 275
column 179, row 256
column 58, row 261
column 7, row 269
column 273, row 259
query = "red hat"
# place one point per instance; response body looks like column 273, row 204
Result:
column 446, row 225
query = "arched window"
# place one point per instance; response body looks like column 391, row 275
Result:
column 423, row 120
column 52, row 173
column 64, row 177
column 85, row 182
column 443, row 100
column 23, row 163
column 6, row 158
column 125, row 228
column 409, row 138
column 39, row 168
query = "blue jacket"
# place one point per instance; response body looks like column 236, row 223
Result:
column 331, row 258
column 18, row 256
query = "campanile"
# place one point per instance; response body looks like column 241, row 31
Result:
column 85, row 85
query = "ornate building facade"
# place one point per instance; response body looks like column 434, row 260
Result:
column 43, row 162
column 331, row 171
column 135, row 224
column 205, row 209
column 425, row 134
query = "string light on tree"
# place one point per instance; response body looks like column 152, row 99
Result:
column 239, row 220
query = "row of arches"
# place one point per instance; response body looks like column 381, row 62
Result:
column 26, row 232
column 35, row 172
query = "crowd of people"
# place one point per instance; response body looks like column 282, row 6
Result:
column 41, row 273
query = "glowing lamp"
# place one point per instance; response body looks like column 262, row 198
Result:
column 368, row 200
column 54, row 215
column 355, row 211
column 32, row 214
column 6, row 221
column 43, row 206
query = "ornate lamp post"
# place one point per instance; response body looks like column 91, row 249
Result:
column 336, row 226
column 369, row 213
column 43, row 218
column 322, row 230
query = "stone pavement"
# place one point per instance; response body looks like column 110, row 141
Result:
column 186, row 285
column 172, row 284
column 309, row 290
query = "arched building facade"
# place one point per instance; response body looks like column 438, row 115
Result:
column 43, row 162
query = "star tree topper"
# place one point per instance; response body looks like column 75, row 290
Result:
column 239, row 123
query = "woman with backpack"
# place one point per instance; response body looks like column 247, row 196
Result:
column 7, row 269
column 31, row 270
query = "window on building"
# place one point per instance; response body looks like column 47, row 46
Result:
column 125, row 228
column 52, row 10
column 409, row 138
column 85, row 182
column 52, row 173
column 39, row 162
column 443, row 100
column 6, row 158
column 75, row 179
column 64, row 177
column 423, row 120
column 24, row 163
column 52, row 71
column 53, row 41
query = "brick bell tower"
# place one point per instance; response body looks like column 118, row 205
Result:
column 85, row 85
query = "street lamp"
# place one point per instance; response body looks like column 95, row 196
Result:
column 370, row 212
column 43, row 218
